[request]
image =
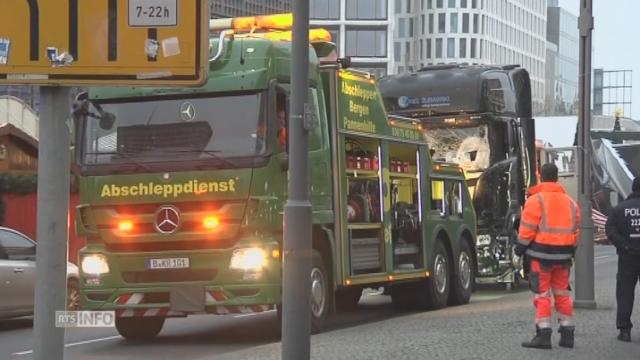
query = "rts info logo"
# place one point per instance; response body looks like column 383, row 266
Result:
column 70, row 319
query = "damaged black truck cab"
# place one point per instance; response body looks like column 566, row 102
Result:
column 480, row 118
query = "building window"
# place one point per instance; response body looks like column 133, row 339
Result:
column 465, row 23
column 409, row 6
column 428, row 48
column 431, row 23
column 325, row 9
column 366, row 43
column 483, row 23
column 474, row 4
column 453, row 23
column 401, row 32
column 451, row 47
column 439, row 4
column 421, row 49
column 424, row 23
column 441, row 23
column 452, row 3
column 335, row 36
column 463, row 48
column 398, row 6
column 473, row 48
column 438, row 48
column 397, row 51
column 463, row 4
column 476, row 23
column 407, row 50
column 429, row 4
column 367, row 9
column 410, row 27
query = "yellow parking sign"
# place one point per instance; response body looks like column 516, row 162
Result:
column 104, row 42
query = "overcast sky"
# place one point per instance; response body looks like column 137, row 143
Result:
column 615, row 39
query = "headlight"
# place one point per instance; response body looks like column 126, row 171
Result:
column 95, row 265
column 249, row 259
column 483, row 240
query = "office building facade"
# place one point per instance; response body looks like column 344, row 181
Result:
column 487, row 32
column 233, row 8
column 30, row 95
column 360, row 28
column 561, row 68
column 612, row 92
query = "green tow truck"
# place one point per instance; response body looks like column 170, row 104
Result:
column 182, row 193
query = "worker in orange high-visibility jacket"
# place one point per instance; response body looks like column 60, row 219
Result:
column 548, row 237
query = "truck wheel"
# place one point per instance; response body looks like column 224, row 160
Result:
column 142, row 328
column 439, row 285
column 464, row 276
column 320, row 292
column 347, row 299
column 73, row 295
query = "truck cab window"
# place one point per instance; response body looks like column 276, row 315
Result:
column 454, row 198
column 437, row 196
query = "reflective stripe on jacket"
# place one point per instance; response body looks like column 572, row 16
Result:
column 549, row 226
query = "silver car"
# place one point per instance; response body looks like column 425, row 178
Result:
column 18, row 276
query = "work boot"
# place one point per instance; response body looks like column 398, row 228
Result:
column 566, row 336
column 542, row 340
column 625, row 335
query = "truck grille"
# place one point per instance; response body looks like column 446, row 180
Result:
column 181, row 275
column 171, row 245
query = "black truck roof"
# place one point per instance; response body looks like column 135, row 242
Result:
column 455, row 89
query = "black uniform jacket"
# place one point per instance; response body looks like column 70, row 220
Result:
column 623, row 225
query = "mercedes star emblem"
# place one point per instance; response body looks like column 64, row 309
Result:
column 187, row 111
column 167, row 219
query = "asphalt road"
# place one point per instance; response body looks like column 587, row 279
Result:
column 199, row 337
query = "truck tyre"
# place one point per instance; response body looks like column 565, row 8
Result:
column 141, row 328
column 437, row 287
column 463, row 277
column 321, row 292
column 347, row 299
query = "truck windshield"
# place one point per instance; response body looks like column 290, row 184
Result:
column 466, row 146
column 216, row 128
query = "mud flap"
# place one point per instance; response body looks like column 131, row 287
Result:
column 187, row 298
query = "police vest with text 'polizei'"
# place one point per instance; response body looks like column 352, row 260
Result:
column 549, row 226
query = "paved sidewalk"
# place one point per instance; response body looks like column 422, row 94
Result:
column 490, row 329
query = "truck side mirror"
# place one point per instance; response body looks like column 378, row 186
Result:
column 107, row 120
column 81, row 106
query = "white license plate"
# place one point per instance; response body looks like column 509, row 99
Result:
column 153, row 13
column 168, row 263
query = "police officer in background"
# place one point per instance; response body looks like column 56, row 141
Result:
column 623, row 231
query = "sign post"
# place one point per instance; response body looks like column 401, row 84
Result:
column 52, row 232
column 59, row 43
column 296, row 300
column 584, row 272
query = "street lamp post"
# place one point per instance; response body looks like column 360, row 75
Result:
column 584, row 272
column 296, row 299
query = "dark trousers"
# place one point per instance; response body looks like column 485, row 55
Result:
column 628, row 275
